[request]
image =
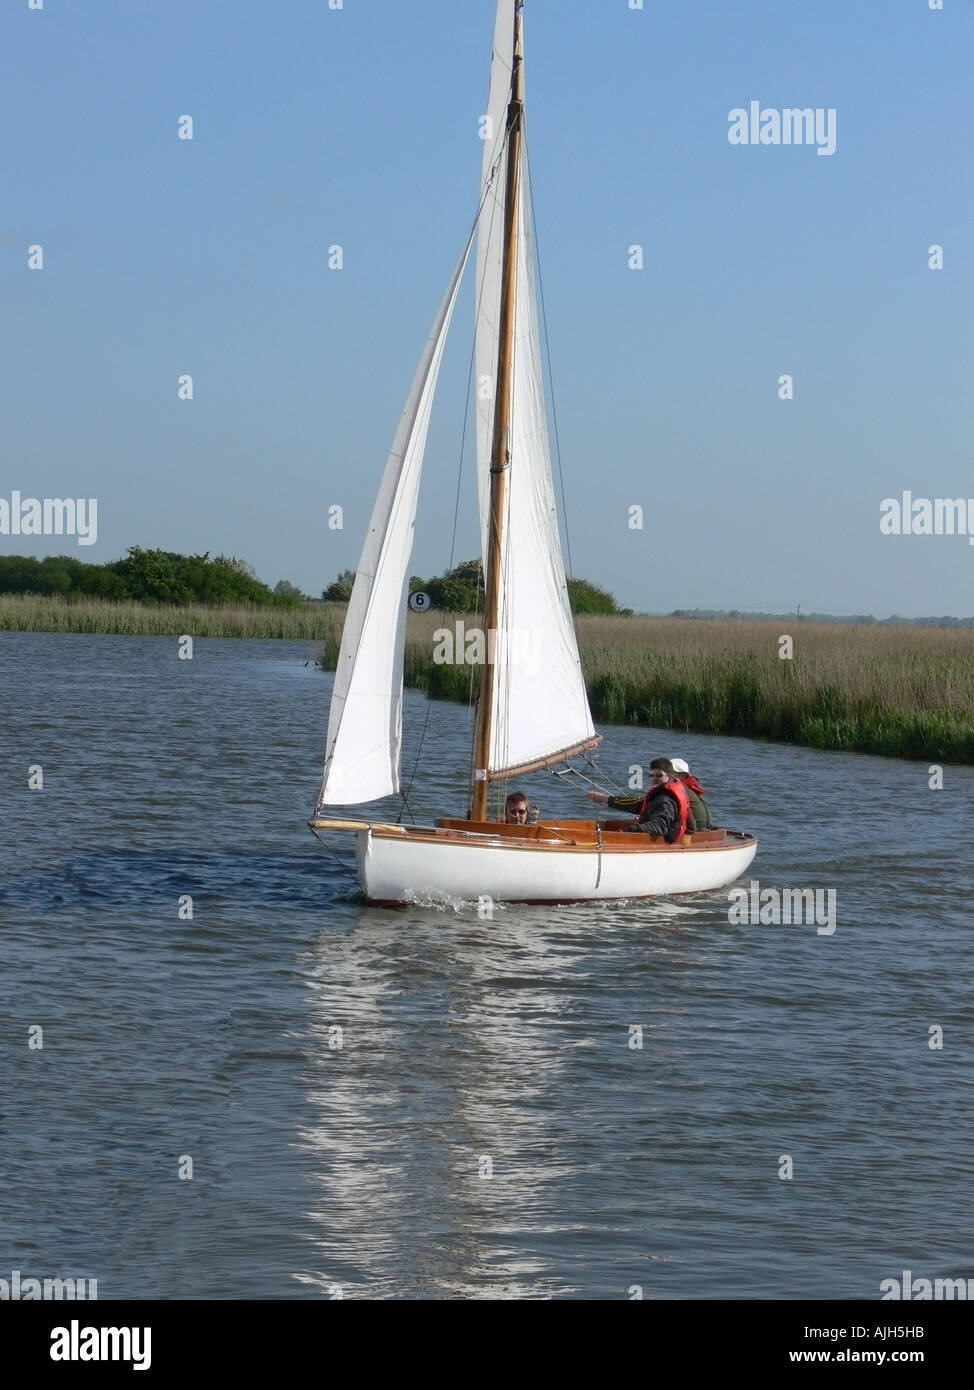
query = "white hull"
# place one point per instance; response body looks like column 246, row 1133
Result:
column 400, row 869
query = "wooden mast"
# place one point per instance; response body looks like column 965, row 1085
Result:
column 500, row 460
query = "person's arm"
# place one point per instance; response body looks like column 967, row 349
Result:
column 618, row 803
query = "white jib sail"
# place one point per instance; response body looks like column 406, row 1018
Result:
column 540, row 704
column 365, row 719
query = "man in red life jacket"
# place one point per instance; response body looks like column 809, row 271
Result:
column 696, row 794
column 665, row 809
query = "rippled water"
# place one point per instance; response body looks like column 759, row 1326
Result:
column 469, row 1047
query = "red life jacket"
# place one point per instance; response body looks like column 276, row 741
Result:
column 690, row 781
column 677, row 790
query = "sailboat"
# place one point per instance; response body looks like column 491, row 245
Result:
column 531, row 713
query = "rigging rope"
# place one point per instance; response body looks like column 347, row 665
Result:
column 571, row 770
column 341, row 864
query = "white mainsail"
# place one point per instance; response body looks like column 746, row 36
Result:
column 365, row 720
column 540, row 704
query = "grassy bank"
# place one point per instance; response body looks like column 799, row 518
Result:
column 901, row 692
column 29, row 613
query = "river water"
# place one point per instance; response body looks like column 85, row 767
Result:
column 488, row 1126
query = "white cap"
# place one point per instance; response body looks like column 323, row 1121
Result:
column 679, row 765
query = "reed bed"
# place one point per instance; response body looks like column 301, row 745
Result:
column 32, row 613
column 905, row 692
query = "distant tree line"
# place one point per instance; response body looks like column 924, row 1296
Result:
column 857, row 619
column 461, row 590
column 146, row 576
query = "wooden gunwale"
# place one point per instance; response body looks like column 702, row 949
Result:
column 558, row 836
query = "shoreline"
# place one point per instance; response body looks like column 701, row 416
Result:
column 904, row 692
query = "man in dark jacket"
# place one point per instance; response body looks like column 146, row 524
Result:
column 662, row 814
column 695, row 794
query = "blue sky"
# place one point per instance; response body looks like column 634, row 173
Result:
column 358, row 127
